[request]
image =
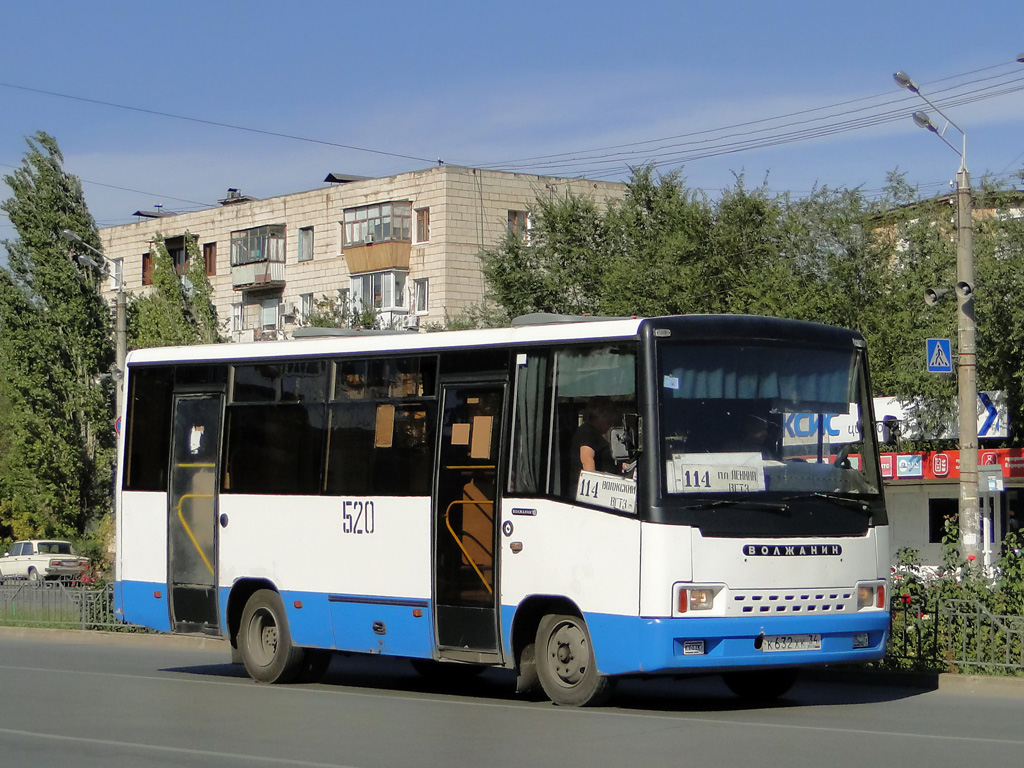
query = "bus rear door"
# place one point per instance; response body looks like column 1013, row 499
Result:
column 192, row 514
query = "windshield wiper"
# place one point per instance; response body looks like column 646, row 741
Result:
column 766, row 506
column 844, row 501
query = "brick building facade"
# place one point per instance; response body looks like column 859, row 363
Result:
column 408, row 245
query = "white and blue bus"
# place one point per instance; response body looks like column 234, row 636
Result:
column 577, row 499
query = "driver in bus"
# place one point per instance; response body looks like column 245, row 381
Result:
column 590, row 449
column 755, row 435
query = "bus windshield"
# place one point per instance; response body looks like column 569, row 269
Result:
column 764, row 417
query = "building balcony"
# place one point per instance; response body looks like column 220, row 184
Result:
column 260, row 274
column 376, row 257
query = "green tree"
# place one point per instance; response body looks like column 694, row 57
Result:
column 486, row 314
column 199, row 296
column 829, row 257
column 179, row 310
column 999, row 257
column 659, row 237
column 747, row 269
column 554, row 267
column 56, row 352
column 339, row 312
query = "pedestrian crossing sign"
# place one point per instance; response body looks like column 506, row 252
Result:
column 939, row 356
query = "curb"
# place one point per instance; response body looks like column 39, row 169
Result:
column 925, row 681
column 98, row 637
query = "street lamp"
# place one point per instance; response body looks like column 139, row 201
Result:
column 967, row 388
column 120, row 314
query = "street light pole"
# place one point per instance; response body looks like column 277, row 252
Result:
column 967, row 387
column 120, row 317
column 970, row 516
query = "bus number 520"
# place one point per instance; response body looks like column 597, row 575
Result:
column 357, row 517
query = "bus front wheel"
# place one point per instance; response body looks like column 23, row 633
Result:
column 266, row 645
column 565, row 663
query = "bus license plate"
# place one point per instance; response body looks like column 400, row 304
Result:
column 778, row 643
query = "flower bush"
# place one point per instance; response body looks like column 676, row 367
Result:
column 960, row 616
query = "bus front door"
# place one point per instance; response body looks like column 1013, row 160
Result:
column 192, row 514
column 465, row 536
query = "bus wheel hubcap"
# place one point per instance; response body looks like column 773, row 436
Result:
column 270, row 640
column 569, row 654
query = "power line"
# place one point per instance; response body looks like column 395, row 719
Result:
column 129, row 189
column 214, row 122
column 759, row 121
column 714, row 141
column 676, row 150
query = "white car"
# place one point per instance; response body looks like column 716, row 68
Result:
column 42, row 559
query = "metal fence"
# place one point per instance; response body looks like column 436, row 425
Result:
column 940, row 635
column 955, row 635
column 59, row 605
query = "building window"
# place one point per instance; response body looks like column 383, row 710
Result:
column 147, row 269
column 305, row 244
column 420, row 288
column 210, row 258
column 379, row 290
column 178, row 252
column 518, row 221
column 422, row 225
column 269, row 313
column 259, row 244
column 116, row 274
column 305, row 307
column 386, row 222
column 941, row 511
column 236, row 318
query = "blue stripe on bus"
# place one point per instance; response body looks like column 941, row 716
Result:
column 623, row 644
column 140, row 605
column 342, row 622
column 364, row 624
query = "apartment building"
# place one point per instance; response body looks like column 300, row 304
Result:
column 408, row 245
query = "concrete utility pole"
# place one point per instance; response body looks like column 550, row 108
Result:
column 967, row 388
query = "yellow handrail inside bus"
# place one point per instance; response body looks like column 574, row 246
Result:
column 458, row 540
column 188, row 530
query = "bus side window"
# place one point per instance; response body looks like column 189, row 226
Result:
column 531, row 424
column 553, row 390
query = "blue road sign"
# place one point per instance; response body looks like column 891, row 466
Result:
column 939, row 356
column 991, row 413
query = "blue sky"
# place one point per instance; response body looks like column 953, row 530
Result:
column 494, row 84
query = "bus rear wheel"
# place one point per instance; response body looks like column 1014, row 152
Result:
column 761, row 684
column 565, row 663
column 266, row 645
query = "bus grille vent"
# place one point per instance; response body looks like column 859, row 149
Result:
column 794, row 602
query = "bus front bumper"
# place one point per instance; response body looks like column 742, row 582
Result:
column 625, row 645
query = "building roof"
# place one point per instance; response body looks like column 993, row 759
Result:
column 343, row 178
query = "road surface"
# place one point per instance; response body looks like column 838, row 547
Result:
column 88, row 699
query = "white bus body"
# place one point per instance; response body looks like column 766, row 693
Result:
column 421, row 495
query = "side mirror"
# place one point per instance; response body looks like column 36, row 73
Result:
column 889, row 430
column 621, row 441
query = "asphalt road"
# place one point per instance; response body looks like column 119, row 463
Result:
column 88, row 699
